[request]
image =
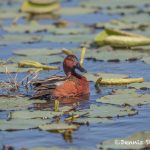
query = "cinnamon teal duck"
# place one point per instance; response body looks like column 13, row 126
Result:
column 71, row 85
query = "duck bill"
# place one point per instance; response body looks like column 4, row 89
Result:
column 80, row 68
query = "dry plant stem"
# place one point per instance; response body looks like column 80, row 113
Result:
column 12, row 85
column 82, row 56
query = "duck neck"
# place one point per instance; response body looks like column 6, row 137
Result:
column 70, row 73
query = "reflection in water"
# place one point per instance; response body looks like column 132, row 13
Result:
column 73, row 101
column 67, row 136
column 69, row 101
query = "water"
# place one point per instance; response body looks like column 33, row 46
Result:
column 87, row 136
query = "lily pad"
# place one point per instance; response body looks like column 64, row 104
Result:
column 125, row 97
column 118, row 81
column 41, row 52
column 117, row 38
column 52, row 148
column 137, row 140
column 11, row 39
column 37, row 8
column 12, row 14
column 32, row 27
column 145, row 48
column 76, row 10
column 116, row 24
column 21, row 124
column 12, row 68
column 141, row 19
column 36, row 27
column 42, row 1
column 106, row 111
column 72, row 30
column 34, row 114
column 86, row 120
column 146, row 60
column 69, row 38
column 110, row 111
column 114, row 3
column 16, row 103
column 115, row 55
column 94, row 76
column 142, row 86
column 34, row 64
column 38, row 58
column 121, row 11
column 57, row 127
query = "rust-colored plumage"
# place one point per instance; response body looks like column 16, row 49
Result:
column 71, row 85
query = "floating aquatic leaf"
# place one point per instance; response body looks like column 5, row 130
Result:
column 115, row 55
column 137, row 140
column 72, row 30
column 12, row 68
column 57, row 127
column 18, row 38
column 123, row 97
column 110, row 111
column 12, row 14
column 140, row 19
column 34, row 114
column 122, row 11
column 122, row 41
column 145, row 48
column 36, row 27
column 76, row 10
column 21, row 124
column 143, row 86
column 34, row 64
column 30, row 27
column 86, row 120
column 118, row 38
column 119, row 81
column 114, row 3
column 116, row 24
column 52, row 148
column 44, row 2
column 37, row 8
column 16, row 103
column 94, row 76
column 41, row 52
column 106, row 111
column 69, row 38
column 146, row 60
column 39, row 58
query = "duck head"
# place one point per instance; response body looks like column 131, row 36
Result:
column 70, row 64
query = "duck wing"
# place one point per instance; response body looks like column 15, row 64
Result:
column 44, row 88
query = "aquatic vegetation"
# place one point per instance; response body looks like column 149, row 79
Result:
column 34, row 64
column 118, row 38
column 111, row 40
column 39, row 7
column 119, row 81
column 137, row 140
column 142, row 86
column 16, row 103
column 95, row 76
column 57, row 127
column 125, row 97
